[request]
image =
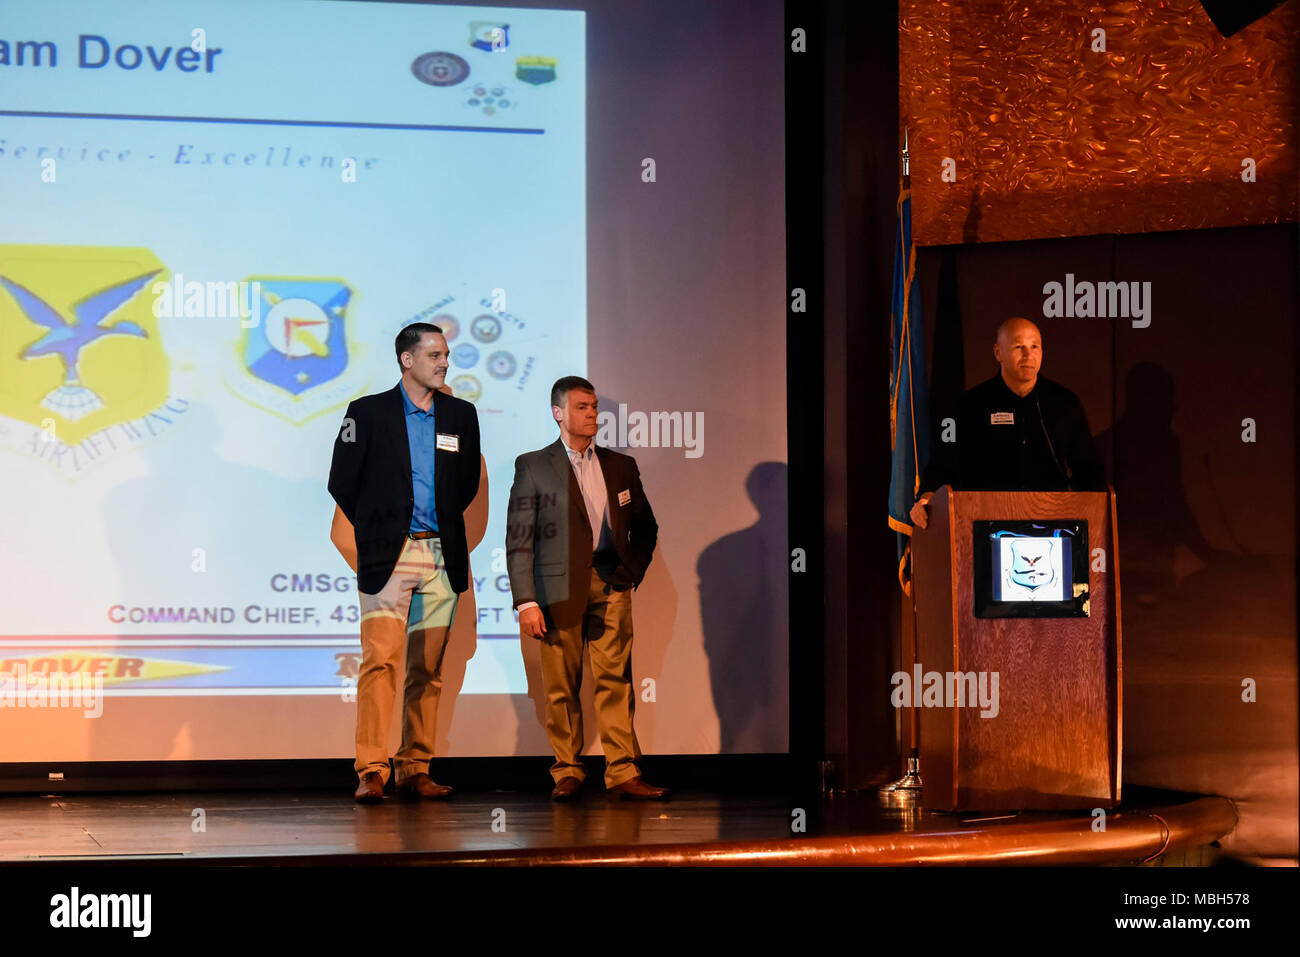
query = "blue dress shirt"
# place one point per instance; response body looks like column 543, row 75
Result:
column 422, row 437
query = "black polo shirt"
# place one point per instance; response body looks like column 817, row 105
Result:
column 1005, row 442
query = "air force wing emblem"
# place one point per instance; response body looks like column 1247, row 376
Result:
column 1031, row 562
column 79, row 344
column 295, row 359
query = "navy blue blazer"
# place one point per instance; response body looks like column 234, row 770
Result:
column 370, row 479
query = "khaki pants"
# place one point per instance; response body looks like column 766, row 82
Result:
column 606, row 630
column 409, row 618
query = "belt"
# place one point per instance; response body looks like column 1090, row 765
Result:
column 420, row 536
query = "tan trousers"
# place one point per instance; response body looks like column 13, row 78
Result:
column 409, row 618
column 606, row 630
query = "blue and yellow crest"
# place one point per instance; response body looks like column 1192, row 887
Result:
column 79, row 344
column 299, row 342
column 294, row 358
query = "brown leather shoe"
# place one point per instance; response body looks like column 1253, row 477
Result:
column 422, row 786
column 636, row 789
column 371, row 788
column 568, row 788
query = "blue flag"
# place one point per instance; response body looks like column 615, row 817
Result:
column 909, row 405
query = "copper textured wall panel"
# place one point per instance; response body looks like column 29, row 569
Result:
column 1051, row 137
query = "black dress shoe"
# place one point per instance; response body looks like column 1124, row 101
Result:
column 567, row 789
column 371, row 788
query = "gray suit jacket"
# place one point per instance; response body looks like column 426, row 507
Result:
column 548, row 535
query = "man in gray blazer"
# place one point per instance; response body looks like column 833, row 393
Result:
column 579, row 536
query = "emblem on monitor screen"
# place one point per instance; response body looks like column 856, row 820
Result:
column 1032, row 562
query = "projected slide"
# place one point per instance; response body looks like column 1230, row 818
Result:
column 217, row 215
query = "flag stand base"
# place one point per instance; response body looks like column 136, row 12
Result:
column 911, row 781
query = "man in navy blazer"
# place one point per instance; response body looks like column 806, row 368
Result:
column 580, row 534
column 405, row 468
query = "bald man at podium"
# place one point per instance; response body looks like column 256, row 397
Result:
column 1018, row 431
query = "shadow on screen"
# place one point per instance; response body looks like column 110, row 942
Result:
column 744, row 607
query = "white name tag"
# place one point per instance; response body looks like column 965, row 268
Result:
column 624, row 497
column 448, row 443
column 1002, row 418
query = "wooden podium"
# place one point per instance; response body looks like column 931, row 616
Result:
column 1055, row 739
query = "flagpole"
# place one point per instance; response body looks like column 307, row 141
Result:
column 910, row 783
column 908, row 787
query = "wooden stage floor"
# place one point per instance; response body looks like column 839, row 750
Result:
column 302, row 827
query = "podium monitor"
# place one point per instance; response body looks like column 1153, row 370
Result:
column 1030, row 569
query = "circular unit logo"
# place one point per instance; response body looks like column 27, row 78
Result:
column 501, row 365
column 467, row 387
column 448, row 324
column 440, row 68
column 486, row 328
column 464, row 355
